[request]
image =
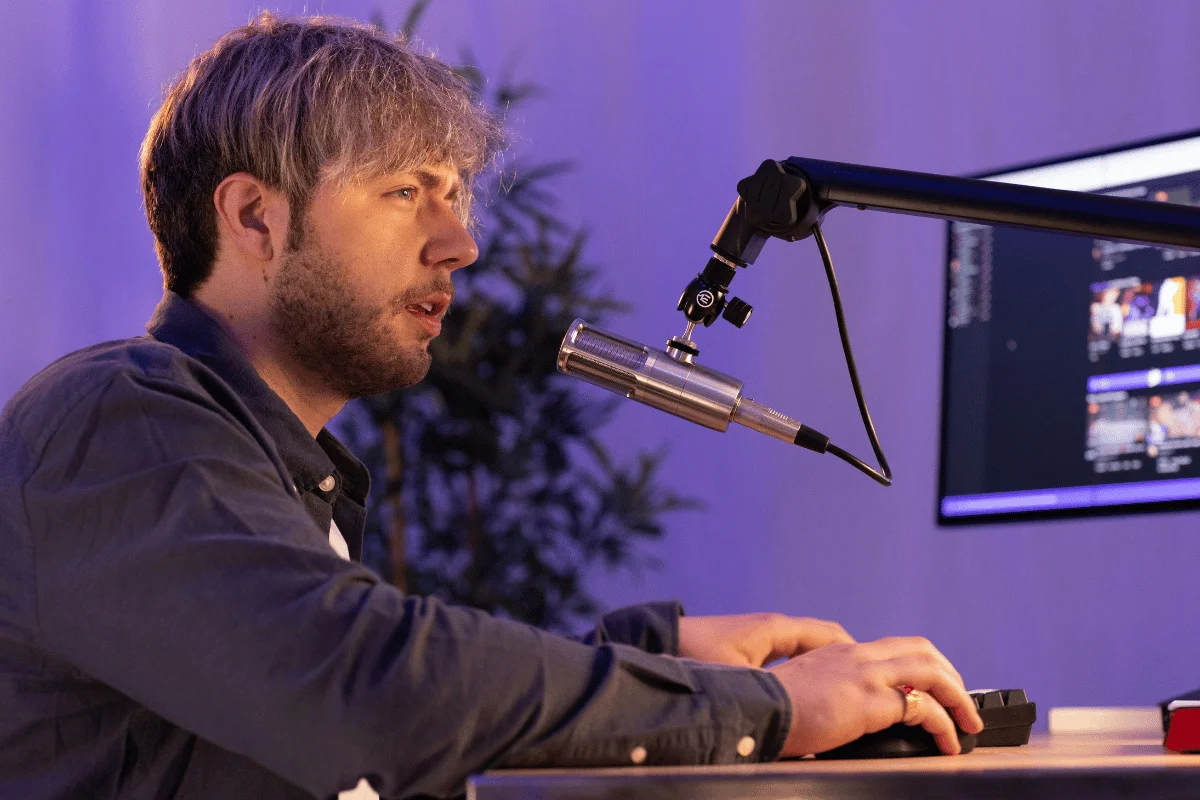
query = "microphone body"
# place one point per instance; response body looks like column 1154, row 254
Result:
column 653, row 377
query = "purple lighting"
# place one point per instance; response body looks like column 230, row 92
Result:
column 1144, row 379
column 1113, row 494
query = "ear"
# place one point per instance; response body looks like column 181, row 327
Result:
column 252, row 218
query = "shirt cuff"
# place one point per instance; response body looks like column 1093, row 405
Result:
column 652, row 627
column 751, row 709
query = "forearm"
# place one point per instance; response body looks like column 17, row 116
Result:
column 646, row 709
column 421, row 695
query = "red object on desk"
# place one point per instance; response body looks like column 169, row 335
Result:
column 1183, row 735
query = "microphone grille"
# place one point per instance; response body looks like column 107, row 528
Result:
column 601, row 358
column 611, row 349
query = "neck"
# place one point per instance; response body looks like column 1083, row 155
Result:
column 314, row 407
column 303, row 393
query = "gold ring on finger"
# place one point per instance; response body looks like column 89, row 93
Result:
column 912, row 703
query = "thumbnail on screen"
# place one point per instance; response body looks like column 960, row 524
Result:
column 1134, row 316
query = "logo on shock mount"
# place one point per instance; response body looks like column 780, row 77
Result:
column 705, row 299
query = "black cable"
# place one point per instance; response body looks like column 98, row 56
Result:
column 884, row 473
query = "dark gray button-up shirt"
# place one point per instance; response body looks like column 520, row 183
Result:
column 175, row 624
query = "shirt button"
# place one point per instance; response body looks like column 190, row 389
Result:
column 638, row 755
column 327, row 484
column 745, row 746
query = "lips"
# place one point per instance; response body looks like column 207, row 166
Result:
column 430, row 310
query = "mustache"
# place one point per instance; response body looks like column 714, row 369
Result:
column 415, row 294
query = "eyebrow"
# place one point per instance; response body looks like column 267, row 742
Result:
column 433, row 182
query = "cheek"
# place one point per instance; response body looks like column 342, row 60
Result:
column 372, row 281
column 378, row 260
column 385, row 270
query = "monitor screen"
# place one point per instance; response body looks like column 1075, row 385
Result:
column 1071, row 373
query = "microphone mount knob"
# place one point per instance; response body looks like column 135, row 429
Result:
column 738, row 311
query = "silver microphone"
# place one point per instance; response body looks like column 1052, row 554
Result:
column 672, row 383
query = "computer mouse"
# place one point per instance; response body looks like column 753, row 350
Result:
column 898, row 741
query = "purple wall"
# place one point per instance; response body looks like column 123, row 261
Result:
column 665, row 106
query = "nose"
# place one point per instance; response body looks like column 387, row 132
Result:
column 451, row 246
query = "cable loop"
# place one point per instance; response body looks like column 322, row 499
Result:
column 884, row 474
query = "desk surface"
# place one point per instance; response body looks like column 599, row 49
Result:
column 1075, row 765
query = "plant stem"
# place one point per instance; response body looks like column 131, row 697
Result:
column 394, row 459
column 474, row 534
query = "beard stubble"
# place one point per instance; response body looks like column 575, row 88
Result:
column 345, row 340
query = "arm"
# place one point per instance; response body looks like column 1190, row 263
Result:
column 173, row 565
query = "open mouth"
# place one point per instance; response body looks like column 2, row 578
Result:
column 429, row 312
column 433, row 307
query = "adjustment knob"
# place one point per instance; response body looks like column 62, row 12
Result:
column 738, row 311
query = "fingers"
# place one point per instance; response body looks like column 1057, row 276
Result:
column 929, row 674
column 932, row 717
column 796, row 635
column 896, row 646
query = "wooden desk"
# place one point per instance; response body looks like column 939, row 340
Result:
column 1093, row 766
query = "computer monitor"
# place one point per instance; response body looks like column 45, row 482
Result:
column 1071, row 364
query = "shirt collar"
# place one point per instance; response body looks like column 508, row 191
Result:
column 183, row 324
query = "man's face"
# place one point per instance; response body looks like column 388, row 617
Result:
column 361, row 297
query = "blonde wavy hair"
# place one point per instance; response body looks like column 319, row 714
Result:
column 297, row 102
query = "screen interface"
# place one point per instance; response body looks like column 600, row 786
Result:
column 1072, row 364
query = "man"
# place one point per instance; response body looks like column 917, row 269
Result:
column 180, row 611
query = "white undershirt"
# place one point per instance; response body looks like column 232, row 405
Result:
column 363, row 791
column 337, row 541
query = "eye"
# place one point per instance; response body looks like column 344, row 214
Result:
column 407, row 193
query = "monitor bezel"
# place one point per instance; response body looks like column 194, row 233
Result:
column 1057, row 514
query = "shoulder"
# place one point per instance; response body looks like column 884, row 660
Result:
column 85, row 377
